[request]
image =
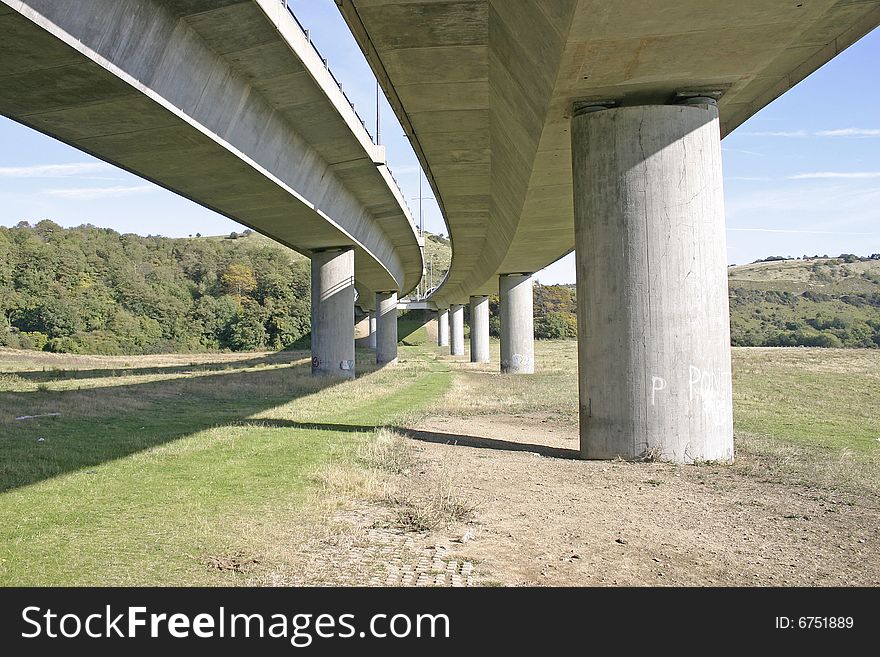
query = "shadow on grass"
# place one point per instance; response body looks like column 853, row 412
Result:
column 430, row 437
column 43, row 376
column 100, row 424
column 97, row 425
column 411, row 329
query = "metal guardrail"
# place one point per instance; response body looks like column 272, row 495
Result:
column 307, row 34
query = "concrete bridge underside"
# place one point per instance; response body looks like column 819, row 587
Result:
column 542, row 126
column 485, row 88
column 224, row 102
column 596, row 125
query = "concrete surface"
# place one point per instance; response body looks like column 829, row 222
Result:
column 653, row 318
column 479, row 329
column 443, row 328
column 221, row 101
column 456, row 329
column 484, row 90
column 386, row 327
column 517, row 324
column 333, row 313
column 371, row 336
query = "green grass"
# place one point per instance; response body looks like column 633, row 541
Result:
column 160, row 466
column 551, row 391
column 824, row 398
column 828, row 398
column 411, row 329
column 144, row 479
column 439, row 252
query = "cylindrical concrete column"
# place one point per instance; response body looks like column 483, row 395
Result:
column 479, row 329
column 443, row 328
column 456, row 326
column 653, row 319
column 371, row 337
column 386, row 327
column 517, row 324
column 361, row 328
column 333, row 313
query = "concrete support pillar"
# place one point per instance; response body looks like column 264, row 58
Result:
column 361, row 328
column 443, row 328
column 371, row 337
column 386, row 327
column 517, row 324
column 479, row 329
column 456, row 321
column 333, row 313
column 653, row 319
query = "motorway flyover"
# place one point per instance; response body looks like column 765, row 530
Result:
column 226, row 103
column 595, row 125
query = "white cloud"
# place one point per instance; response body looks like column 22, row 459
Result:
column 405, row 169
column 91, row 193
column 794, row 133
column 840, row 132
column 795, row 232
column 54, row 170
column 849, row 132
column 848, row 175
column 831, row 205
column 738, row 150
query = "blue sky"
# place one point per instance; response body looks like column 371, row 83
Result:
column 801, row 177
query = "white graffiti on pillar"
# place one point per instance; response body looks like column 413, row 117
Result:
column 710, row 387
column 658, row 383
column 520, row 361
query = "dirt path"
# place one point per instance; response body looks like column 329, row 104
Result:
column 543, row 518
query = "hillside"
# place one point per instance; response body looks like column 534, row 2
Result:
column 821, row 302
column 818, row 302
column 438, row 255
column 93, row 290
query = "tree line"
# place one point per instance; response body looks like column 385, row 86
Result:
column 93, row 290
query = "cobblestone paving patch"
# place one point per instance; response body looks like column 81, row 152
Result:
column 366, row 553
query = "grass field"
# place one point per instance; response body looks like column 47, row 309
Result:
column 165, row 470
column 812, row 413
column 152, row 469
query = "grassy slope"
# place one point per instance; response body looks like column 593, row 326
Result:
column 756, row 319
column 798, row 276
column 441, row 252
column 144, row 476
column 411, row 328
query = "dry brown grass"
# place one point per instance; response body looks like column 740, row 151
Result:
column 435, row 508
column 383, row 474
column 388, row 451
column 552, row 391
column 25, row 360
column 842, row 471
column 374, row 486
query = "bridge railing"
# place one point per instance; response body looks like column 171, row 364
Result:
column 307, row 33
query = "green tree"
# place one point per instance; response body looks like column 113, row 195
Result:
column 246, row 331
column 239, row 279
